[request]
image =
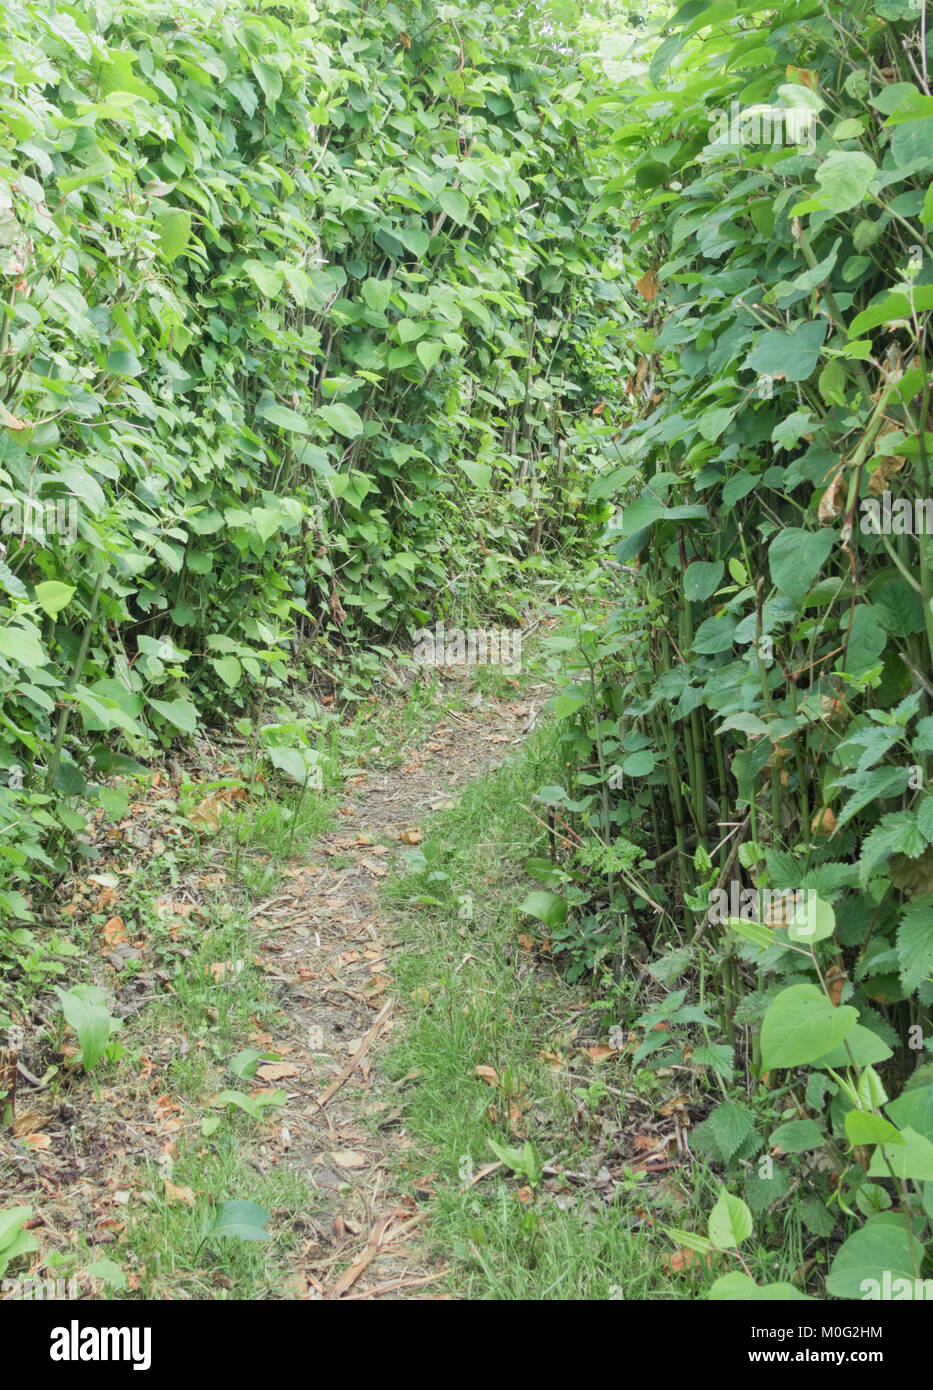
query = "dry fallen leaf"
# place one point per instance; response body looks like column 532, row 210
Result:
column 647, row 286
column 183, row 1195
column 411, row 837
column 489, row 1074
column 276, row 1071
column 600, row 1051
column 113, row 932
column 832, row 501
column 221, row 968
column 38, row 1141
column 28, row 1123
column 349, row 1158
column 824, row 822
column 683, row 1259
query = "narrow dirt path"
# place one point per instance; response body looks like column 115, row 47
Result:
column 333, row 948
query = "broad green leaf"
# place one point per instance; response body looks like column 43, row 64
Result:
column 429, row 353
column 730, row 1222
column 181, row 713
column 801, row 1025
column 792, row 355
column 701, row 579
column 377, row 293
column 342, row 418
column 53, row 596
column 84, row 1010
column 239, row 1219
column 455, row 205
column 228, row 669
column 174, row 234
column 20, row 642
column 797, row 1136
column 546, row 907
column 795, row 558
column 740, row 1287
column 879, row 1251
column 843, row 178
column 864, row 1127
column 285, row 418
column 480, row 474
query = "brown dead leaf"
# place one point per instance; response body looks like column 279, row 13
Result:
column 824, row 822
column 182, row 1195
column 835, row 979
column 113, row 932
column 349, row 1158
column 411, row 837
column 684, row 1259
column 488, row 1074
column 599, row 1052
column 28, row 1123
column 38, row 1141
column 220, row 969
column 832, row 501
column 647, row 286
column 526, row 942
column 879, row 480
column 277, row 1071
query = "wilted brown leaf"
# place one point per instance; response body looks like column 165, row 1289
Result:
column 647, row 286
column 113, row 932
column 276, row 1071
column 832, row 501
column 349, row 1158
column 183, row 1195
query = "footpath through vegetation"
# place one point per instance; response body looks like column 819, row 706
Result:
column 387, row 392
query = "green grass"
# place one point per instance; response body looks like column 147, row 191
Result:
column 476, row 999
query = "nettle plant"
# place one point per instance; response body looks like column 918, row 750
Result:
column 756, row 709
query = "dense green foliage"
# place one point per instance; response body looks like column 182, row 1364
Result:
column 317, row 323
column 761, row 696
column 299, row 310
